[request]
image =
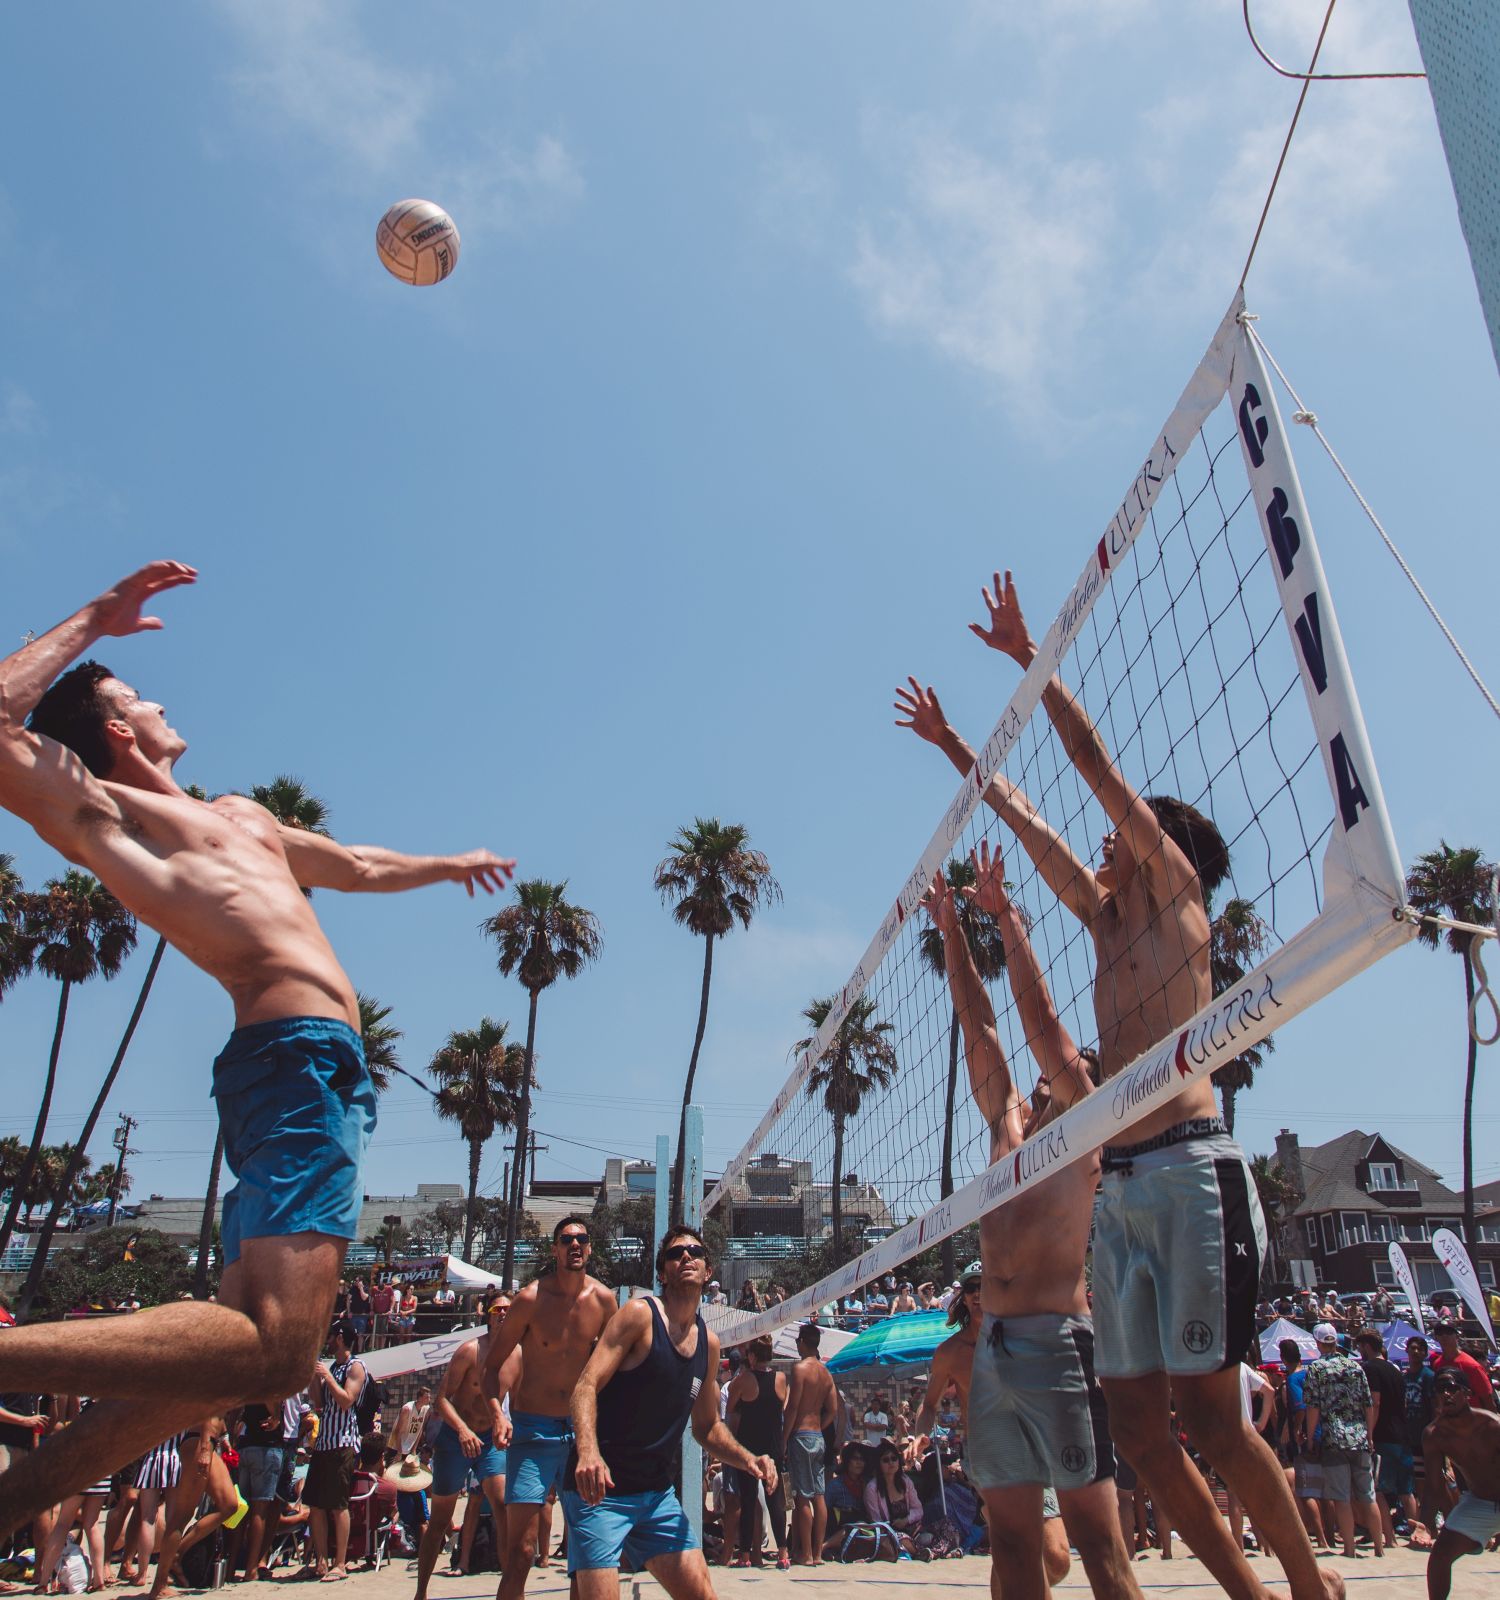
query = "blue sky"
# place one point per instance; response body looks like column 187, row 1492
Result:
column 775, row 330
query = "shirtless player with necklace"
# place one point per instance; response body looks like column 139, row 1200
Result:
column 555, row 1322
column 1182, row 1190
column 88, row 763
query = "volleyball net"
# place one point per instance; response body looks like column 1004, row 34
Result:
column 1201, row 642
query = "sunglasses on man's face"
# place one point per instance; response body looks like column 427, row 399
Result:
column 684, row 1252
column 573, row 1238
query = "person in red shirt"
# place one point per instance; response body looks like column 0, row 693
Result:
column 368, row 1514
column 1450, row 1355
column 382, row 1301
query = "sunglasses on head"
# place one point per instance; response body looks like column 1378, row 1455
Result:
column 680, row 1252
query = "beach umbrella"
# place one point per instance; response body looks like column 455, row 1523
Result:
column 904, row 1341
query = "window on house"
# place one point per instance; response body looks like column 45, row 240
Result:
column 1381, row 1230
column 1328, row 1240
column 1383, row 1175
column 1384, row 1275
column 1487, row 1274
column 1452, row 1224
column 1310, row 1231
column 1353, row 1223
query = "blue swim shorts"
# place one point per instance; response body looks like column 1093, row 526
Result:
column 538, row 1455
column 260, row 1471
column 297, row 1109
column 451, row 1468
column 640, row 1526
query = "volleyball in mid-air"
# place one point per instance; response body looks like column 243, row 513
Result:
column 417, row 242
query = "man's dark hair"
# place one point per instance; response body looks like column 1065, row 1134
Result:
column 1368, row 1336
column 1417, row 1339
column 1291, row 1354
column 372, row 1450
column 572, row 1220
column 761, row 1349
column 1196, row 836
column 679, row 1230
column 73, row 712
column 344, row 1329
column 810, row 1336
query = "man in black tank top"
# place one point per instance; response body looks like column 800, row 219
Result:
column 647, row 1377
column 756, row 1412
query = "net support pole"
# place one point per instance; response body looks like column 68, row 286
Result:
column 692, row 1214
column 663, row 1187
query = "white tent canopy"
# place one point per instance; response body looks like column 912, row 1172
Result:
column 1270, row 1340
column 461, row 1275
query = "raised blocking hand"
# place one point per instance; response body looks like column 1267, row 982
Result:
column 117, row 612
column 1007, row 631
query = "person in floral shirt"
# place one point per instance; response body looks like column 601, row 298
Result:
column 1341, row 1421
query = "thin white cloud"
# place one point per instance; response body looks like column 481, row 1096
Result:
column 18, row 412
column 992, row 262
column 309, row 71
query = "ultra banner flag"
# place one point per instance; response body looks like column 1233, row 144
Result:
column 1404, row 1276
column 1460, row 1269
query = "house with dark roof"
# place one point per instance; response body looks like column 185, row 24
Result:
column 1360, row 1193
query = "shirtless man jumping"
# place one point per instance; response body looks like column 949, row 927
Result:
column 472, row 1439
column 1035, row 1416
column 555, row 1323
column 1183, row 1191
column 92, row 773
column 1469, row 1437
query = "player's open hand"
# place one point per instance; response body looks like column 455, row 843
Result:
column 468, row 1442
column 764, row 1468
column 592, row 1479
column 937, row 900
column 118, row 611
column 921, row 712
column 1007, row 631
column 480, row 869
column 987, row 891
column 503, row 1431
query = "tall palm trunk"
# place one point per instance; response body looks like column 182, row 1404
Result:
column 80, row 1149
column 523, row 1132
column 473, row 1205
column 837, row 1197
column 206, row 1226
column 945, row 1179
column 1469, row 1239
column 676, row 1213
column 1227, row 1092
column 38, row 1133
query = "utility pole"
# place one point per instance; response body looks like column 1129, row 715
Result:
column 531, row 1139
column 121, row 1142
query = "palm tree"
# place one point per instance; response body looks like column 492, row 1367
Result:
column 380, row 1043
column 858, row 1058
column 712, row 879
column 80, row 1149
column 1237, row 935
column 480, row 1078
column 988, row 948
column 17, row 951
column 1278, row 1199
column 288, row 800
column 1458, row 884
column 80, row 931
column 542, row 937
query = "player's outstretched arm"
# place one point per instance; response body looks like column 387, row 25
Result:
column 1081, row 740
column 318, row 862
column 989, row 1072
column 1067, row 877
column 630, row 1330
column 40, row 780
column 1048, row 1040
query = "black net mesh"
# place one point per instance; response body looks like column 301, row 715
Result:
column 1185, row 667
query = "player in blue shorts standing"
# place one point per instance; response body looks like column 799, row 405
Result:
column 555, row 1322
column 650, row 1374
column 91, row 771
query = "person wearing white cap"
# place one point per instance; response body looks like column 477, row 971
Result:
column 1340, row 1425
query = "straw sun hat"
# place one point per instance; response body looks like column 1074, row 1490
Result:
column 411, row 1477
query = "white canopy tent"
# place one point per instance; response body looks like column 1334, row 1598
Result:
column 462, row 1276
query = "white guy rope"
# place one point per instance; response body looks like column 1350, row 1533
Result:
column 1309, row 419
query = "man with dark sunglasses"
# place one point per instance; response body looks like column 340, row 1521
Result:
column 556, row 1322
column 1470, row 1439
column 646, row 1380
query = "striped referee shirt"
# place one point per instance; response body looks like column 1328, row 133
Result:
column 338, row 1426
